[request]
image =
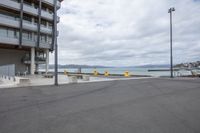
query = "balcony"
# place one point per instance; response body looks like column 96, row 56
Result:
column 45, row 45
column 9, row 40
column 27, row 8
column 9, row 21
column 51, row 2
column 31, row 43
column 4, row 39
column 13, row 22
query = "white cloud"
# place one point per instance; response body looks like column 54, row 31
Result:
column 128, row 32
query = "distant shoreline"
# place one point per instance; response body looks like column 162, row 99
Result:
column 88, row 66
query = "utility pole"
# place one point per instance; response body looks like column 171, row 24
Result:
column 171, row 51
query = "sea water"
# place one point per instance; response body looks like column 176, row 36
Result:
column 132, row 71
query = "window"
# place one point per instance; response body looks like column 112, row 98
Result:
column 35, row 6
column 27, row 3
column 16, row 34
column 50, row 11
column 35, row 37
column 44, row 55
column 27, row 35
column 49, row 39
column 27, row 19
column 40, row 54
column 50, row 25
column 43, row 38
column 35, row 21
column 3, row 31
column 44, row 8
column 43, row 23
column 11, row 33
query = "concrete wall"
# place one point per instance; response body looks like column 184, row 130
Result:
column 8, row 56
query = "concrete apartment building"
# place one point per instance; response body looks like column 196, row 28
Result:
column 27, row 32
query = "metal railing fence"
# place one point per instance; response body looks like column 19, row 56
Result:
column 7, row 70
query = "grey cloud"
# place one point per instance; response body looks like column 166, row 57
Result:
column 127, row 32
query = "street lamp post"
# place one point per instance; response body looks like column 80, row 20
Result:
column 171, row 54
column 55, row 43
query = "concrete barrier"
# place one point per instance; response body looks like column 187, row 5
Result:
column 73, row 79
column 79, row 76
column 86, row 78
column 48, row 75
column 7, row 79
column 24, row 81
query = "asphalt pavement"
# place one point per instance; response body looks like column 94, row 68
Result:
column 129, row 106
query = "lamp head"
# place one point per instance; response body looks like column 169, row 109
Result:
column 172, row 9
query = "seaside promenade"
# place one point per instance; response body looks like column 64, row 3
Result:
column 140, row 105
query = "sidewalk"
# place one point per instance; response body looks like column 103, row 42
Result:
column 39, row 80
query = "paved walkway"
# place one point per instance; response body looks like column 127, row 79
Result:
column 39, row 80
column 131, row 106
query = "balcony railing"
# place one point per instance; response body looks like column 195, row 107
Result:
column 5, row 39
column 9, row 17
column 14, row 22
column 51, row 2
column 9, row 40
column 38, row 60
column 27, row 8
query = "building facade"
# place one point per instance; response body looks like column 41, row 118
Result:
column 27, row 32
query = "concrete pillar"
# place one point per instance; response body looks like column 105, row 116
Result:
column 47, row 61
column 33, row 23
column 32, row 61
column 33, row 34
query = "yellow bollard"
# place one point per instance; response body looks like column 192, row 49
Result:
column 96, row 73
column 106, row 73
column 126, row 74
column 65, row 72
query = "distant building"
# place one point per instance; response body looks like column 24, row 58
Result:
column 26, row 32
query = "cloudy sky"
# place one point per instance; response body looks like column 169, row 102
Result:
column 127, row 32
